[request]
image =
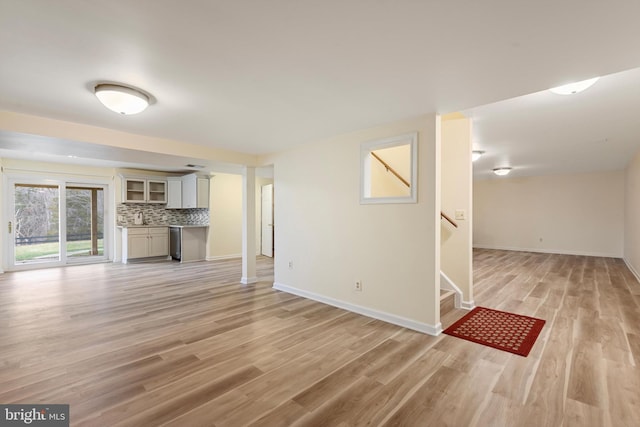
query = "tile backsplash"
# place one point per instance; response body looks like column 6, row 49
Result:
column 158, row 215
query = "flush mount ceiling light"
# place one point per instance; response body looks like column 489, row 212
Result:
column 122, row 99
column 502, row 171
column 475, row 155
column 571, row 88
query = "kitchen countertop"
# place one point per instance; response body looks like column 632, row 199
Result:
column 162, row 225
column 142, row 226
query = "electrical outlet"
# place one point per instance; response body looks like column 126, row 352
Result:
column 290, row 265
column 358, row 286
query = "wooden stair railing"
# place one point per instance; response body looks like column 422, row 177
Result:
column 452, row 222
column 405, row 182
column 390, row 169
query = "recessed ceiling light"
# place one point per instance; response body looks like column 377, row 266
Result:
column 122, row 99
column 571, row 88
column 502, row 171
column 475, row 155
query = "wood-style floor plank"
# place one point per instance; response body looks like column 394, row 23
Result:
column 163, row 343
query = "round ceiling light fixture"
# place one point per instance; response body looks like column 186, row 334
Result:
column 573, row 88
column 122, row 99
column 502, row 171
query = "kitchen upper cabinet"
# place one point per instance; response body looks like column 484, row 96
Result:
column 135, row 190
column 156, row 191
column 174, row 193
column 195, row 192
column 141, row 190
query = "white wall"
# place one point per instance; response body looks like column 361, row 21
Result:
column 575, row 214
column 456, row 194
column 632, row 215
column 225, row 211
column 332, row 240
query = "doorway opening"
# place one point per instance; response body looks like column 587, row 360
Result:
column 267, row 221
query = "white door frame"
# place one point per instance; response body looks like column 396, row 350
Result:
column 8, row 249
column 106, row 238
column 266, row 228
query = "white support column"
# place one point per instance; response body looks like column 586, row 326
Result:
column 248, row 226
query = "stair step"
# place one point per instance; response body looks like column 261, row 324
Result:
column 447, row 301
column 444, row 293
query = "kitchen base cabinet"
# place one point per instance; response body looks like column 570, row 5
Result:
column 158, row 241
column 137, row 245
column 144, row 242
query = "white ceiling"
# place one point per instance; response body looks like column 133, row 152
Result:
column 544, row 133
column 264, row 76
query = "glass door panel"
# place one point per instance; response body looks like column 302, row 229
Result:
column 85, row 221
column 36, row 226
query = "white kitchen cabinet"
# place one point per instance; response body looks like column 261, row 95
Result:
column 135, row 190
column 156, row 191
column 158, row 241
column 144, row 242
column 195, row 192
column 174, row 193
column 137, row 244
column 142, row 190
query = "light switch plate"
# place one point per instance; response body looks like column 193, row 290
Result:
column 461, row 214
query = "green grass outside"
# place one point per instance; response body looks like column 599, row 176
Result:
column 50, row 250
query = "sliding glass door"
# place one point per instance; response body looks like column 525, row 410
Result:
column 36, row 224
column 85, row 222
column 55, row 223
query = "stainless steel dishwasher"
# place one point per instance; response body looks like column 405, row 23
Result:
column 175, row 242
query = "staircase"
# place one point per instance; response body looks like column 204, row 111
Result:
column 449, row 314
column 447, row 301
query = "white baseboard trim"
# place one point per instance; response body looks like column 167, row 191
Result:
column 248, row 280
column 632, row 269
column 369, row 312
column 222, row 257
column 468, row 305
column 548, row 251
column 231, row 256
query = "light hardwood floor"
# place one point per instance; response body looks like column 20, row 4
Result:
column 186, row 345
